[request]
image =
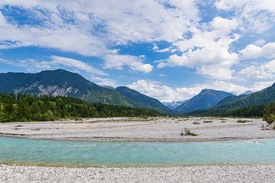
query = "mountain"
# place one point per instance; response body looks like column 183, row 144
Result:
column 173, row 105
column 144, row 101
column 262, row 97
column 63, row 83
column 248, row 92
column 109, row 87
column 229, row 99
column 255, row 99
column 206, row 99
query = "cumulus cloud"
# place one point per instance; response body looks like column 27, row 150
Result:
column 257, row 86
column 97, row 28
column 103, row 81
column 256, row 15
column 66, row 38
column 260, row 71
column 207, row 49
column 115, row 61
column 123, row 21
column 53, row 63
column 253, row 51
column 167, row 94
column 57, row 60
column 92, row 28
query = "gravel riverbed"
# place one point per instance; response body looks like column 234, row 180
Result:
column 27, row 174
column 132, row 129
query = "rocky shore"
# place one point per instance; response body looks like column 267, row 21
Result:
column 141, row 130
column 28, row 174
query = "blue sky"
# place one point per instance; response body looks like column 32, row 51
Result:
column 166, row 49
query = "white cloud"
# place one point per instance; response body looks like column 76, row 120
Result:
column 124, row 21
column 216, row 71
column 54, row 63
column 262, row 85
column 156, row 49
column 260, row 42
column 75, row 63
column 253, row 51
column 167, row 94
column 260, row 71
column 207, row 49
column 256, row 15
column 68, row 38
column 103, row 81
column 96, row 26
column 114, row 61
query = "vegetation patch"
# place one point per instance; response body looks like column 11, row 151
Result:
column 25, row 107
column 241, row 121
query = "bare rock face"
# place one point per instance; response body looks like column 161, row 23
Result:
column 40, row 89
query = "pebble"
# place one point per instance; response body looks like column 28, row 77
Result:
column 240, row 173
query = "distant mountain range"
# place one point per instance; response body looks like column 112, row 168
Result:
column 264, row 96
column 173, row 105
column 65, row 83
column 248, row 92
column 206, row 99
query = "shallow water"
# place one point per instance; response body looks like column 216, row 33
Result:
column 64, row 153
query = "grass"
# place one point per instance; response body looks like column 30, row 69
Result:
column 241, row 121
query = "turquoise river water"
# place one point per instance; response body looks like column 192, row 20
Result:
column 66, row 153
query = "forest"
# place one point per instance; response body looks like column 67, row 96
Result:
column 265, row 111
column 24, row 107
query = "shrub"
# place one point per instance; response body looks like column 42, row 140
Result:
column 270, row 118
column 48, row 116
column 240, row 121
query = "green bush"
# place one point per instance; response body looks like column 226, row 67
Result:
column 270, row 118
column 240, row 121
column 48, row 116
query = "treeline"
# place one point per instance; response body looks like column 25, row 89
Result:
column 24, row 107
column 267, row 111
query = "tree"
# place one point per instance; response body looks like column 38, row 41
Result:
column 269, row 115
column 9, row 108
column 24, row 111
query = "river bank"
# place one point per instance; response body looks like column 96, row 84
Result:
column 141, row 130
column 252, row 173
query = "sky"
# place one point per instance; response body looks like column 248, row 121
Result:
column 166, row 49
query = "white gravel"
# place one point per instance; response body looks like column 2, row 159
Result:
column 27, row 174
column 131, row 129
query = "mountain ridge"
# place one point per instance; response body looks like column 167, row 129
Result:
column 206, row 99
column 144, row 101
column 264, row 96
column 174, row 104
column 60, row 82
column 64, row 83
